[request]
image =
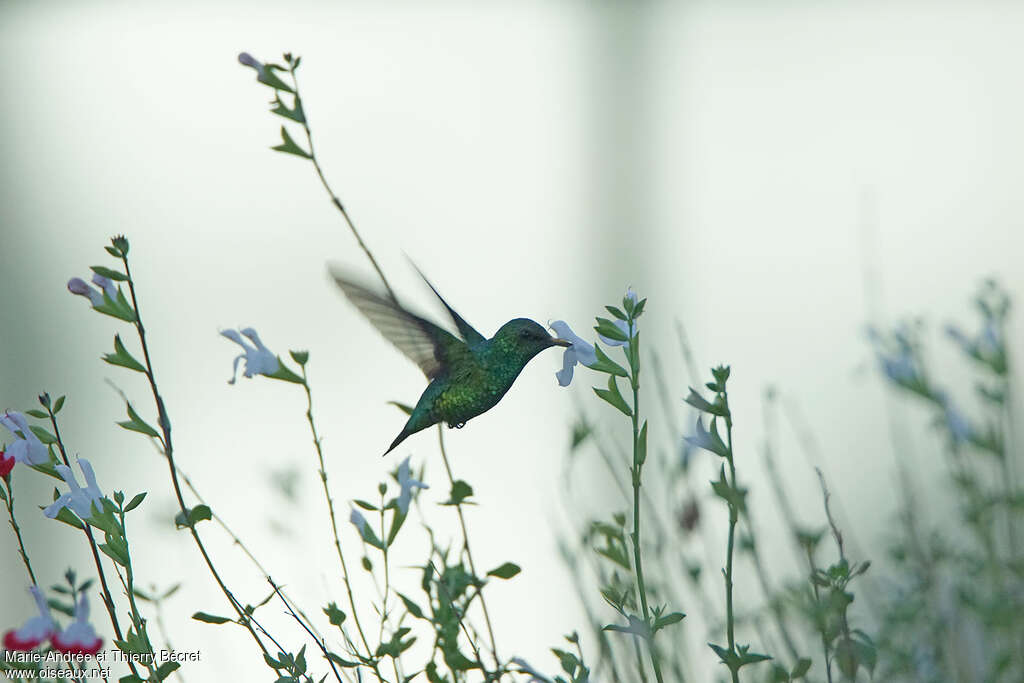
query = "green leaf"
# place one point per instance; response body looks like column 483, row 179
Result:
column 134, row 502
column 698, row 402
column 411, row 606
column 266, row 76
column 505, row 571
column 334, row 615
column 38, row 414
column 613, row 397
column 166, row 669
column 667, row 620
column 43, row 435
column 365, row 505
column 300, row 357
column 68, row 517
column 641, row 448
column 281, row 109
column 396, row 523
column 606, row 328
column 800, row 669
column 341, row 662
column 606, row 364
column 122, row 358
column 616, row 312
column 210, row 618
column 137, row 424
column 59, row 404
column 195, row 515
column 108, row 273
column 289, row 147
column 460, row 492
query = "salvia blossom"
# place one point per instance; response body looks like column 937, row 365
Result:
column 34, row 631
column 79, row 499
column 581, row 352
column 359, row 521
column 79, row 637
column 407, row 483
column 77, row 285
column 259, row 360
column 27, row 448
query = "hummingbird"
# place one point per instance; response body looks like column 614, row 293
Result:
column 469, row 374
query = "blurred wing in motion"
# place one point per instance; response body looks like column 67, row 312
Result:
column 430, row 347
column 467, row 331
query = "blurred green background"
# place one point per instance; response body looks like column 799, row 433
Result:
column 774, row 175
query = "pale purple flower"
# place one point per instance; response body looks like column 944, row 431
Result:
column 259, row 360
column 77, row 285
column 27, row 448
column 407, row 483
column 580, row 351
column 359, row 522
column 79, row 500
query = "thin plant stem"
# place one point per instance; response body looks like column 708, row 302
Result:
column 465, row 545
column 634, row 358
column 319, row 643
column 137, row 620
column 108, row 599
column 165, row 428
column 334, row 520
column 733, row 519
column 334, row 198
column 17, row 529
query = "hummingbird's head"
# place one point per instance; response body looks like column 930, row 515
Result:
column 525, row 338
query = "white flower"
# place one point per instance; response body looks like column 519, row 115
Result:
column 359, row 521
column 259, row 360
column 77, row 285
column 79, row 637
column 79, row 499
column 407, row 483
column 34, row 631
column 580, row 352
column 27, row 448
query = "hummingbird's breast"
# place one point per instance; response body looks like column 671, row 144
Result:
column 470, row 391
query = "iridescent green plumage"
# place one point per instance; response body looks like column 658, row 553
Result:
column 468, row 375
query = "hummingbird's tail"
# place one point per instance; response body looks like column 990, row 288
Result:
column 402, row 436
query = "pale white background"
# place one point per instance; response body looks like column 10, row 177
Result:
column 743, row 165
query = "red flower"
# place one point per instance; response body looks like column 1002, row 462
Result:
column 35, row 630
column 79, row 637
column 6, row 464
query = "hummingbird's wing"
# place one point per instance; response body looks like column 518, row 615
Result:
column 467, row 331
column 431, row 347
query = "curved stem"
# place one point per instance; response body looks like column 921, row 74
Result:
column 334, row 198
column 334, row 523
column 469, row 553
column 165, row 428
column 108, row 599
column 17, row 529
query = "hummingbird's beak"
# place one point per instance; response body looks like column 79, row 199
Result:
column 558, row 341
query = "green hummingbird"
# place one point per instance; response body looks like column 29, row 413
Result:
column 468, row 374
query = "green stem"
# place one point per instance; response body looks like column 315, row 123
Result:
column 108, row 600
column 469, row 553
column 733, row 518
column 634, row 363
column 334, row 524
column 17, row 529
column 334, row 198
column 137, row 621
column 165, row 428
